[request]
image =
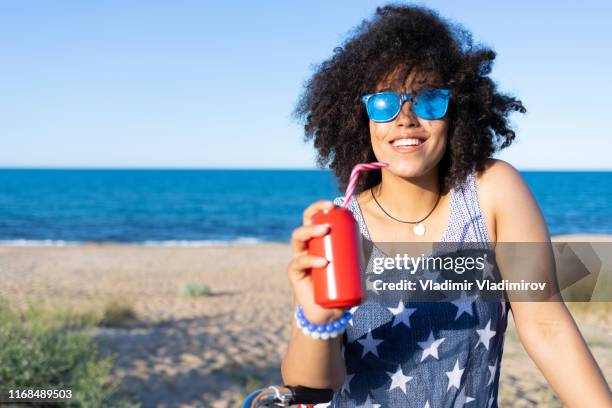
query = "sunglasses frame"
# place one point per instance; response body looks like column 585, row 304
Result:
column 403, row 98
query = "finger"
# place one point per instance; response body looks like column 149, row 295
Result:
column 299, row 265
column 314, row 208
column 301, row 235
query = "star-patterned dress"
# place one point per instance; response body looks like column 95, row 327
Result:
column 425, row 354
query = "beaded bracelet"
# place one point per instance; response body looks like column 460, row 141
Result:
column 321, row 331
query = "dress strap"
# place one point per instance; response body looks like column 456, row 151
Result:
column 467, row 223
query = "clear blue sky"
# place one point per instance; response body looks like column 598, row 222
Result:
column 212, row 84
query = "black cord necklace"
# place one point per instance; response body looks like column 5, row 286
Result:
column 419, row 228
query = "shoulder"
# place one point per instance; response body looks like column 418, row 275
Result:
column 508, row 201
column 497, row 171
column 497, row 180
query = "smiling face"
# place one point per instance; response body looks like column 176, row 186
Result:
column 411, row 145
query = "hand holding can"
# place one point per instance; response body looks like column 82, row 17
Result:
column 302, row 264
column 338, row 284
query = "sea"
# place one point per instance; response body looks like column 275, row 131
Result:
column 58, row 207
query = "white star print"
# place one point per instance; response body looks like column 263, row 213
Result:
column 489, row 269
column 347, row 383
column 370, row 287
column 369, row 344
column 401, row 313
column 462, row 399
column 463, row 305
column 399, row 380
column 427, row 404
column 488, row 274
column 503, row 305
column 368, row 404
column 323, row 405
column 485, row 335
column 491, row 400
column 492, row 370
column 454, row 377
column 430, row 346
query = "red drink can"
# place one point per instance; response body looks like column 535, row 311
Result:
column 338, row 284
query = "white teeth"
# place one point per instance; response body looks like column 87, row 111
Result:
column 407, row 142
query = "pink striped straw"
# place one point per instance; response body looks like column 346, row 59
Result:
column 355, row 176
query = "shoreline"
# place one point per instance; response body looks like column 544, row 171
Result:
column 239, row 242
column 21, row 243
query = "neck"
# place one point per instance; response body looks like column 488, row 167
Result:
column 408, row 198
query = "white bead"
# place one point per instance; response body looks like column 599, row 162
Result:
column 298, row 324
column 324, row 336
column 333, row 334
column 305, row 331
column 315, row 335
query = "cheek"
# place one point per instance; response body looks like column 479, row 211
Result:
column 379, row 134
column 380, row 131
column 436, row 128
column 438, row 131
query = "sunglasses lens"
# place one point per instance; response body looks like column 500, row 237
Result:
column 431, row 104
column 383, row 106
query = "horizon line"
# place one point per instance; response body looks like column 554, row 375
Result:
column 552, row 169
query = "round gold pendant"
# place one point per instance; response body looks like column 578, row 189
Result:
column 419, row 229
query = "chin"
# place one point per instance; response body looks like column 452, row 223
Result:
column 408, row 168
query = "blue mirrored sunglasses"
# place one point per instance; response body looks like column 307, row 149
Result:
column 385, row 106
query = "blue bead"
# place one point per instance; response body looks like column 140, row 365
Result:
column 343, row 321
column 329, row 328
column 321, row 328
column 311, row 327
column 348, row 315
column 303, row 322
column 337, row 325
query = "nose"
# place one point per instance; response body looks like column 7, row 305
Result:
column 406, row 116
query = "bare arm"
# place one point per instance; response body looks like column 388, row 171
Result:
column 313, row 363
column 546, row 329
column 310, row 362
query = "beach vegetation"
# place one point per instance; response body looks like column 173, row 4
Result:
column 194, row 289
column 117, row 313
column 39, row 352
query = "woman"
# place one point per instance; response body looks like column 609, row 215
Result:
column 411, row 90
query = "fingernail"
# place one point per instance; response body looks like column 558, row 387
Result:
column 320, row 262
column 321, row 228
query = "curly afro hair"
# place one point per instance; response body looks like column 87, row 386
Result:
column 405, row 39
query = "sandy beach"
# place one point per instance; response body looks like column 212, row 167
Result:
column 209, row 350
